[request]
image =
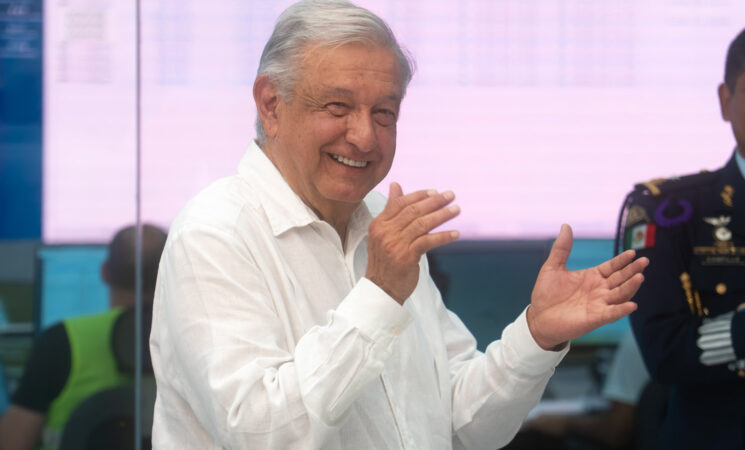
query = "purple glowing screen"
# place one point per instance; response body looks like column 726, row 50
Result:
column 533, row 112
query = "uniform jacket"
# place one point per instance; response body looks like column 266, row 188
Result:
column 690, row 325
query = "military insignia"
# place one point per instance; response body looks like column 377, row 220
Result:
column 640, row 236
column 685, row 281
column 654, row 185
column 682, row 212
column 721, row 288
column 726, row 194
column 635, row 215
column 714, row 340
column 723, row 252
column 721, row 232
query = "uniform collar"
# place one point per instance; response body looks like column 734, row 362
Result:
column 740, row 162
column 283, row 207
column 733, row 183
column 733, row 172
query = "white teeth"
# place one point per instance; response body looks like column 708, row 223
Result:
column 349, row 162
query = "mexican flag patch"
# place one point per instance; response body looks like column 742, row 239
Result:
column 640, row 236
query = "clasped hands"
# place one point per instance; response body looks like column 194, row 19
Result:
column 564, row 304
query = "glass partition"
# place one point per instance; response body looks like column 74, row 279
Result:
column 67, row 186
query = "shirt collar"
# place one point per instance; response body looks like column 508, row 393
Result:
column 282, row 206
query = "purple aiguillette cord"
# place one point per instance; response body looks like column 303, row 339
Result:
column 665, row 221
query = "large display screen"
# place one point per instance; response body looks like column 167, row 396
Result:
column 69, row 283
column 535, row 112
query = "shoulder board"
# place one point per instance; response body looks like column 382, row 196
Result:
column 660, row 186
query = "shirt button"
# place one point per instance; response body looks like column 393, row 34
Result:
column 396, row 330
column 721, row 288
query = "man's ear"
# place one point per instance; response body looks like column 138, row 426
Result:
column 724, row 101
column 267, row 101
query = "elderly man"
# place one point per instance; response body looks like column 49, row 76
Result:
column 294, row 307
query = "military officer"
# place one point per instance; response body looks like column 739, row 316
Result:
column 690, row 324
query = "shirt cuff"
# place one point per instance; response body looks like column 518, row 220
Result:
column 524, row 354
column 375, row 313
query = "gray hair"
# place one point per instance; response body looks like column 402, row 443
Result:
column 322, row 23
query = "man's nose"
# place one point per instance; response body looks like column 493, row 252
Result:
column 361, row 131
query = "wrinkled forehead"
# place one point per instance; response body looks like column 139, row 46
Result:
column 320, row 62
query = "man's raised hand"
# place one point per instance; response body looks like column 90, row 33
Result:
column 568, row 304
column 402, row 233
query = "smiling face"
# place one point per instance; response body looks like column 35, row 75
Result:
column 335, row 139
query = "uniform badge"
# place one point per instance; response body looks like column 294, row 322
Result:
column 654, row 185
column 640, row 236
column 721, row 232
column 635, row 215
column 726, row 194
column 723, row 252
column 683, row 211
column 685, row 281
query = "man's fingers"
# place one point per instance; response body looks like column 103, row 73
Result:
column 429, row 241
column 419, row 212
column 626, row 291
column 407, row 218
column 394, row 191
column 422, row 208
column 620, row 276
column 561, row 249
column 615, row 312
column 616, row 263
column 397, row 200
column 424, row 224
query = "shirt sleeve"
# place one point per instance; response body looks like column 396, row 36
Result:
column 46, row 372
column 232, row 357
column 493, row 392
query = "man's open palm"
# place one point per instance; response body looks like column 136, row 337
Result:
column 568, row 304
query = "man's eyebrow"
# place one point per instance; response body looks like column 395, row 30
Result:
column 332, row 90
column 335, row 90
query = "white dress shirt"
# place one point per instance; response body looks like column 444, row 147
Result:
column 266, row 335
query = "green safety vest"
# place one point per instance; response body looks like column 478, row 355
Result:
column 92, row 369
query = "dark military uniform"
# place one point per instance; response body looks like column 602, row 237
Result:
column 689, row 324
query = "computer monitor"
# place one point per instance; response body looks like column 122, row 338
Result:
column 69, row 282
column 488, row 282
column 588, row 253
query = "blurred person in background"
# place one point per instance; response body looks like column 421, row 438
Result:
column 74, row 359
